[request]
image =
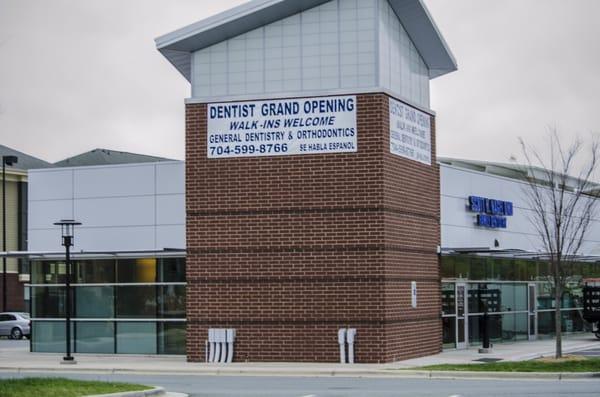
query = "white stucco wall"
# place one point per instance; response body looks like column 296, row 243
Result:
column 121, row 207
column 142, row 207
column 458, row 224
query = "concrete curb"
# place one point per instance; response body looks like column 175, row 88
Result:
column 376, row 373
column 155, row 392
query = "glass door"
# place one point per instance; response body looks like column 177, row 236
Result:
column 532, row 311
column 462, row 328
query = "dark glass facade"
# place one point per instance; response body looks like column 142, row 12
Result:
column 515, row 293
column 129, row 306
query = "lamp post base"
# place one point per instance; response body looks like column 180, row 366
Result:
column 68, row 360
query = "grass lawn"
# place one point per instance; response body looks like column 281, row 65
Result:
column 568, row 364
column 58, row 387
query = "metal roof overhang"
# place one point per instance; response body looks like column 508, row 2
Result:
column 57, row 255
column 513, row 254
column 179, row 45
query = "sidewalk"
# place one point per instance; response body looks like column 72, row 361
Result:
column 19, row 359
column 518, row 351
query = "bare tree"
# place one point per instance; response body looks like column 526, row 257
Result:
column 563, row 199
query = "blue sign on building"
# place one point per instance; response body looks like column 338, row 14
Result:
column 490, row 213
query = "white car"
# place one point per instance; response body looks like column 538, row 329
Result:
column 15, row 325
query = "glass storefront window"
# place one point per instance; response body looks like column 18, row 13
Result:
column 136, row 301
column 484, row 297
column 136, row 270
column 94, row 302
column 171, row 301
column 593, row 270
column 94, row 272
column 572, row 321
column 48, row 336
column 521, row 326
column 448, row 298
column 520, row 297
column 545, row 298
column 95, row 337
column 171, row 270
column 97, row 299
column 449, row 332
column 48, row 272
column 572, row 296
column 545, row 324
column 497, row 297
column 171, row 338
column 48, row 302
column 447, row 267
column 136, row 338
column 479, row 269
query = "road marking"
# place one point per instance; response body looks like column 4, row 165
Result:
column 310, row 395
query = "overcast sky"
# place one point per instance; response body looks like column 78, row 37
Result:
column 81, row 74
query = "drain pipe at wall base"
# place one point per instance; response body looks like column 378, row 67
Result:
column 351, row 336
column 220, row 345
column 223, row 343
column 211, row 345
column 342, row 343
column 230, row 337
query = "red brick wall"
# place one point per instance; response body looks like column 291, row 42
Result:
column 289, row 249
column 14, row 289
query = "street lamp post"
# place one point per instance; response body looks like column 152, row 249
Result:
column 6, row 160
column 67, row 228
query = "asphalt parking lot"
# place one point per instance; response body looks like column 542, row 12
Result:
column 9, row 344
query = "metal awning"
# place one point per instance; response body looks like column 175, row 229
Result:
column 514, row 254
column 49, row 255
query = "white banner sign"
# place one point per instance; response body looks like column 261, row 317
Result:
column 282, row 127
column 410, row 132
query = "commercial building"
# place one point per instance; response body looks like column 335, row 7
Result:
column 310, row 201
column 130, row 282
column 502, row 268
column 130, row 285
column 17, row 271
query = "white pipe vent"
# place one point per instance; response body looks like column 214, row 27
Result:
column 220, row 345
column 346, row 338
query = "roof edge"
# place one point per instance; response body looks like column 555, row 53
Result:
column 178, row 45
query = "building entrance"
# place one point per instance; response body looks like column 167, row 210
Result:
column 532, row 306
column 462, row 316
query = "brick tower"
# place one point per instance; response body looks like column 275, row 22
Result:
column 312, row 189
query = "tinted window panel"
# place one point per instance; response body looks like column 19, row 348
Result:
column 136, row 302
column 136, row 270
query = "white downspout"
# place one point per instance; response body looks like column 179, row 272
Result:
column 217, row 357
column 211, row 344
column 223, row 340
column 342, row 343
column 230, row 342
column 206, row 348
column 351, row 338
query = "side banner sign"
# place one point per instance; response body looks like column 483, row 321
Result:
column 282, row 127
column 410, row 132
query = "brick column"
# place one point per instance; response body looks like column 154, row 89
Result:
column 289, row 249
